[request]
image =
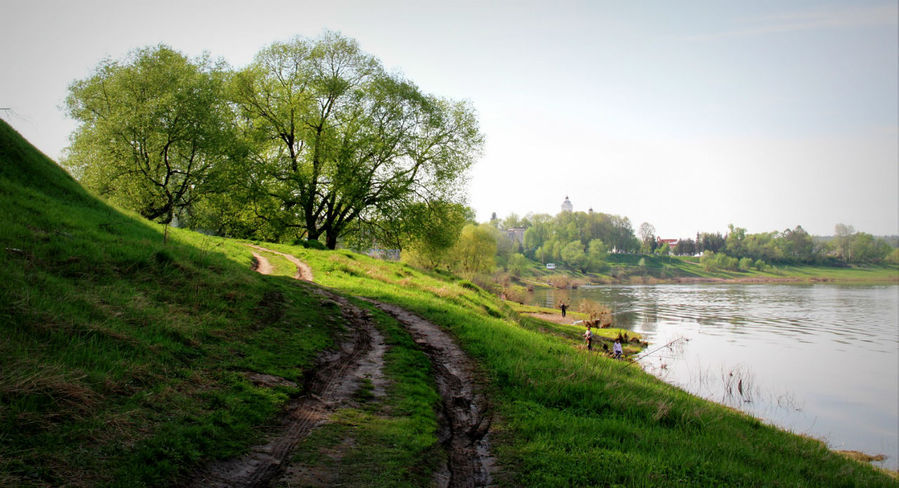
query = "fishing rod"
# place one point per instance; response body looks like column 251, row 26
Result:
column 650, row 353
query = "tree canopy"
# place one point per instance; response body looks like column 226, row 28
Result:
column 314, row 139
column 335, row 138
column 154, row 127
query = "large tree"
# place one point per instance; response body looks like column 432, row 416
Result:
column 337, row 139
column 153, row 128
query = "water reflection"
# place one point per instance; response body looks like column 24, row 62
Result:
column 816, row 359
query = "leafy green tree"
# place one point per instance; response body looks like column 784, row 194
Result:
column 710, row 242
column 685, row 247
column 647, row 238
column 843, row 241
column 475, row 250
column 153, row 129
column 597, row 252
column 766, row 245
column 735, row 244
column 663, row 250
column 866, row 249
column 574, row 256
column 335, row 138
column 426, row 232
column 797, row 245
column 518, row 263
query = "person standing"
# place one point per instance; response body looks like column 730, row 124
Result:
column 588, row 338
column 563, row 307
column 616, row 348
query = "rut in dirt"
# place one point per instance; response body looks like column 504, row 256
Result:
column 464, row 417
column 334, row 379
column 465, row 422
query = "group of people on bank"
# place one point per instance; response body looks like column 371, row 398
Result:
column 588, row 337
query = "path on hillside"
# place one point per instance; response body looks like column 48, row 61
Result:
column 464, row 417
column 465, row 424
column 329, row 385
column 304, row 272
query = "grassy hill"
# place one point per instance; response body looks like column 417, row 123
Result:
column 123, row 358
column 124, row 363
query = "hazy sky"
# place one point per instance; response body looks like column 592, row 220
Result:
column 686, row 115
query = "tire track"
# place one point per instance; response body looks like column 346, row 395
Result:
column 329, row 385
column 466, row 417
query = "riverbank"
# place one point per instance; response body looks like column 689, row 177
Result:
column 134, row 360
column 658, row 270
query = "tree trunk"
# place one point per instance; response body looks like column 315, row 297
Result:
column 331, row 240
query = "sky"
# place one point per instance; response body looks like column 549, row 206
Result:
column 687, row 115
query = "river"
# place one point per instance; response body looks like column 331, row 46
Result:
column 821, row 360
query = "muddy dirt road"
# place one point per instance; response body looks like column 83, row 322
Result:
column 464, row 416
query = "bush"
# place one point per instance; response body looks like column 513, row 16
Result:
column 745, row 264
column 599, row 313
column 309, row 244
column 516, row 293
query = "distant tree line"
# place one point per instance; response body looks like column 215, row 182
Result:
column 314, row 140
column 791, row 246
column 579, row 240
column 582, row 240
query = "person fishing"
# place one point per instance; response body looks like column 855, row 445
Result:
column 564, row 307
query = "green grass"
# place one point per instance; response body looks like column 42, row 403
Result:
column 123, row 364
column 569, row 417
column 669, row 268
column 626, row 268
column 123, row 358
column 382, row 443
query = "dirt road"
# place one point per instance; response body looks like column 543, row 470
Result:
column 464, row 417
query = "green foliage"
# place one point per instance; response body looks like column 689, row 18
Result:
column 335, row 139
column 389, row 442
column 866, row 249
column 596, row 256
column 475, row 250
column 426, row 232
column 718, row 261
column 569, row 418
column 518, row 264
column 154, row 130
column 123, row 359
column 574, row 256
column 545, row 236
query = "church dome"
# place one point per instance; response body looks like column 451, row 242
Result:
column 567, row 206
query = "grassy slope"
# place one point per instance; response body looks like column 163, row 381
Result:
column 122, row 359
column 569, row 417
column 625, row 268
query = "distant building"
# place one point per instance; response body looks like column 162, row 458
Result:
column 516, row 234
column 671, row 242
column 567, row 206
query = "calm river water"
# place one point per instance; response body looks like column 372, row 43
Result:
column 821, row 360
